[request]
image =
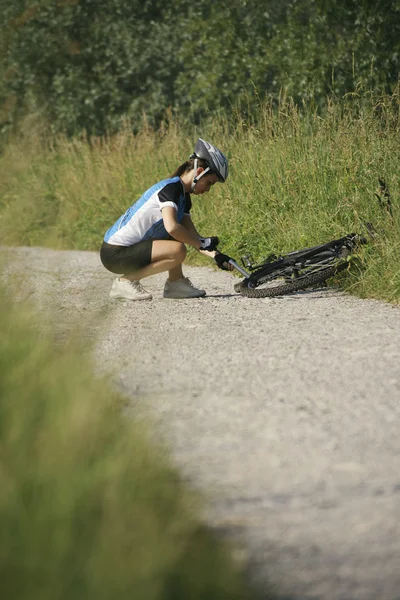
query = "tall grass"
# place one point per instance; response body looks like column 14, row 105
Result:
column 297, row 178
column 89, row 509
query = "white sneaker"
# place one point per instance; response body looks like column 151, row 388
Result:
column 182, row 288
column 129, row 290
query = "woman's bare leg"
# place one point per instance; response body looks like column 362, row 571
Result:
column 175, row 273
column 166, row 255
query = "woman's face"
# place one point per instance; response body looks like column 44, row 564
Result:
column 204, row 184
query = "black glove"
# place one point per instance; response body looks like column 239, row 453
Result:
column 220, row 259
column 209, row 244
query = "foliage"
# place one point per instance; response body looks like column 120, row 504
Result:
column 343, row 43
column 87, row 65
column 89, row 509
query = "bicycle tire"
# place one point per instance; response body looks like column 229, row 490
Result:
column 294, row 285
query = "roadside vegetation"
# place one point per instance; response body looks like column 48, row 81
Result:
column 298, row 177
column 89, row 508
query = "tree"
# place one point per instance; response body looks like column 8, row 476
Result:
column 88, row 64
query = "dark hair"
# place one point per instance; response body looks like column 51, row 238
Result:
column 188, row 166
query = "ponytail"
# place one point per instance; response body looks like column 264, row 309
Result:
column 188, row 166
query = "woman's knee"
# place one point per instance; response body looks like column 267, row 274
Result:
column 180, row 251
column 171, row 250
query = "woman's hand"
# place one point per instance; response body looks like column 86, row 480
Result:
column 222, row 261
column 209, row 244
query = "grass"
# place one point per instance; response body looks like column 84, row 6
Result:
column 297, row 178
column 88, row 507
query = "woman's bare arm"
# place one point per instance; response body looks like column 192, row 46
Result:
column 180, row 232
column 189, row 225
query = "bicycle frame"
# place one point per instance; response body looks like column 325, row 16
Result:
column 301, row 257
column 239, row 268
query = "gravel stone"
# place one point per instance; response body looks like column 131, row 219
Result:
column 283, row 412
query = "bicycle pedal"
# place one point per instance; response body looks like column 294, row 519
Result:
column 247, row 260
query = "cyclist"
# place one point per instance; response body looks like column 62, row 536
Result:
column 151, row 236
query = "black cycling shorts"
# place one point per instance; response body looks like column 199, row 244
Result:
column 123, row 260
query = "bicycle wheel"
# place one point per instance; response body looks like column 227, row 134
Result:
column 277, row 286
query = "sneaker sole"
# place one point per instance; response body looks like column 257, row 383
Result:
column 130, row 299
column 183, row 297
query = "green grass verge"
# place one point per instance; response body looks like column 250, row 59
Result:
column 89, row 509
column 297, row 179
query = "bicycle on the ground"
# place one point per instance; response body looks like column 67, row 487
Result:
column 298, row 270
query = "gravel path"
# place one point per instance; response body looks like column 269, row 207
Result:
column 284, row 411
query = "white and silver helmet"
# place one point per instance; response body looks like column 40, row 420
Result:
column 216, row 161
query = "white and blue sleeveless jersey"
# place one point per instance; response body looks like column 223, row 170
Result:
column 143, row 220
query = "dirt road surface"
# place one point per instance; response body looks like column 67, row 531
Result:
column 284, row 412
